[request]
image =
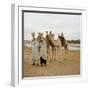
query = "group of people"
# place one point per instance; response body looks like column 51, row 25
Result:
column 41, row 47
column 39, row 50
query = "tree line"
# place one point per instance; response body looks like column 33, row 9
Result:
column 73, row 41
column 69, row 41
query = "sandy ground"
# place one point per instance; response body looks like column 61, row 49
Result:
column 64, row 65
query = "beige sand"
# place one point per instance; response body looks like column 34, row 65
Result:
column 65, row 65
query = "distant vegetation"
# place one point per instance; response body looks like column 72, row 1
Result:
column 73, row 41
column 69, row 41
column 27, row 41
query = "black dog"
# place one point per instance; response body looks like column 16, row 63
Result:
column 43, row 61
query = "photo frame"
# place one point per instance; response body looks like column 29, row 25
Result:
column 17, row 41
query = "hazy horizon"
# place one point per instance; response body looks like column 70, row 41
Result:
column 70, row 25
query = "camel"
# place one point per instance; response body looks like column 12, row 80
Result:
column 62, row 39
column 51, row 46
column 54, row 46
column 64, row 44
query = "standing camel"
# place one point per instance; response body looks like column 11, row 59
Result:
column 64, row 45
column 51, row 46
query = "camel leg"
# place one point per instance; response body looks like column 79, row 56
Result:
column 62, row 55
column 66, row 54
column 58, row 54
column 49, row 54
column 55, row 58
column 54, row 54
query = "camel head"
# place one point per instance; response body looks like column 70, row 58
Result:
column 40, row 37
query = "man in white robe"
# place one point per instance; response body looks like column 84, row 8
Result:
column 35, row 52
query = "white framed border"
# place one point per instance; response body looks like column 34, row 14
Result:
column 16, row 53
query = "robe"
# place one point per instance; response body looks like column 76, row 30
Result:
column 43, row 50
column 35, row 50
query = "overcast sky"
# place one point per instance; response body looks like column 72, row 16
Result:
column 40, row 22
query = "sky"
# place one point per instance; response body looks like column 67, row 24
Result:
column 70, row 25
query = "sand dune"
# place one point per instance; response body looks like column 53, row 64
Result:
column 64, row 65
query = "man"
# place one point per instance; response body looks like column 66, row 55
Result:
column 35, row 51
column 43, row 52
